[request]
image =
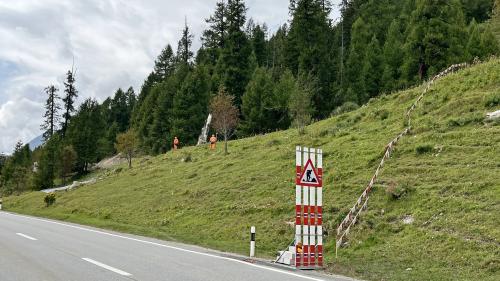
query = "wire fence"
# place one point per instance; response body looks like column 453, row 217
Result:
column 362, row 203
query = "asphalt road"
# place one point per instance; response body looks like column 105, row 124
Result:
column 34, row 249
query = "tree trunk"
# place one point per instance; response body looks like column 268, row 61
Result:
column 225, row 143
column 130, row 161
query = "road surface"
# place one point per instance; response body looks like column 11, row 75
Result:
column 34, row 249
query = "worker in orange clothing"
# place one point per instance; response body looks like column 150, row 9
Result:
column 176, row 143
column 213, row 142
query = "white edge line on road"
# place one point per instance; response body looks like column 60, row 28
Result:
column 115, row 270
column 26, row 236
column 172, row 247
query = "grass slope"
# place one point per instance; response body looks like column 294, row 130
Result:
column 447, row 171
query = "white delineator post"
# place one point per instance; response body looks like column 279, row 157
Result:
column 319, row 208
column 305, row 239
column 252, row 241
column 298, row 206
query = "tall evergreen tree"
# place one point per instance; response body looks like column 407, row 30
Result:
column 234, row 63
column 436, row 38
column 164, row 64
column 70, row 95
column 474, row 48
column 190, row 106
column 259, row 46
column 393, row 57
column 372, row 69
column 86, row 132
column 184, row 53
column 361, row 36
column 256, row 107
column 308, row 49
column 213, row 38
column 51, row 115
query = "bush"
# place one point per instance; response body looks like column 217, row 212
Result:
column 346, row 107
column 395, row 191
column 493, row 100
column 423, row 149
column 50, row 199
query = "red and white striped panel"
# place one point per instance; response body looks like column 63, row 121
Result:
column 298, row 206
column 305, row 239
column 312, row 216
column 319, row 208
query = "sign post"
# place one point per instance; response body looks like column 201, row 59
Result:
column 309, row 208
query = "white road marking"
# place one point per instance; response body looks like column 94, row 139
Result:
column 26, row 236
column 115, row 270
column 175, row 248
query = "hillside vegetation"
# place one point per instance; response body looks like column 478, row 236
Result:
column 445, row 175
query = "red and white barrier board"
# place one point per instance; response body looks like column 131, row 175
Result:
column 308, row 208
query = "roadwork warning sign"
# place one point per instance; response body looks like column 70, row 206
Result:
column 309, row 176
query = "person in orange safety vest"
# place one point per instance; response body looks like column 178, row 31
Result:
column 213, row 142
column 176, row 143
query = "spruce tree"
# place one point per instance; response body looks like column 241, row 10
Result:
column 259, row 45
column 474, row 47
column 86, row 132
column 256, row 107
column 489, row 43
column 214, row 37
column 436, row 38
column 392, row 57
column 190, row 108
column 70, row 95
column 184, row 53
column 51, row 115
column 372, row 69
column 164, row 65
column 308, row 49
column 356, row 90
column 234, row 63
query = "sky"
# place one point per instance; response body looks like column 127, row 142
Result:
column 111, row 44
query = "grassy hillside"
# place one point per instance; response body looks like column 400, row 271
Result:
column 446, row 171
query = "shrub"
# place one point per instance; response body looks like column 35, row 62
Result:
column 344, row 108
column 50, row 199
column 423, row 149
column 395, row 191
column 493, row 100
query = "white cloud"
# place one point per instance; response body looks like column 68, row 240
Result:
column 113, row 42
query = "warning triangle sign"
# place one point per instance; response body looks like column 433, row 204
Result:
column 309, row 176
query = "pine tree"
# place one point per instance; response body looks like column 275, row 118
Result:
column 258, row 39
column 184, row 53
column 489, row 43
column 308, row 49
column 372, row 69
column 51, row 112
column 160, row 128
column 474, row 48
column 256, row 107
column 233, row 66
column 86, row 132
column 164, row 65
column 70, row 95
column 213, row 38
column 300, row 103
column 361, row 36
column 392, row 57
column 190, row 106
column 436, row 38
